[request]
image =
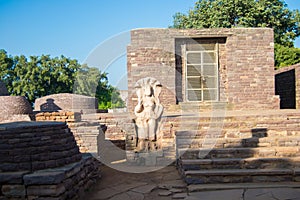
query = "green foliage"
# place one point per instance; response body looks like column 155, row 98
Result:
column 42, row 75
column 6, row 64
column 37, row 76
column 108, row 96
column 245, row 13
column 286, row 56
column 91, row 82
column 87, row 80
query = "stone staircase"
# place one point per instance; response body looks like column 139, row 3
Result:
column 240, row 148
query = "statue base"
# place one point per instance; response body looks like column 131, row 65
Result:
column 144, row 158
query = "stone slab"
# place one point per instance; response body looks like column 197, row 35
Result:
column 27, row 125
column 14, row 190
column 213, row 195
column 53, row 175
column 129, row 186
column 272, row 193
column 46, row 190
column 172, row 184
column 128, row 196
column 145, row 189
column 165, row 193
column 12, row 177
column 205, row 187
column 44, row 178
column 179, row 196
column 105, row 194
column 116, row 190
column 240, row 172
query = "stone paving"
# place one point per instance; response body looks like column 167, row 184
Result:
column 166, row 184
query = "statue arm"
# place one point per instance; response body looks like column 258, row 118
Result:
column 139, row 107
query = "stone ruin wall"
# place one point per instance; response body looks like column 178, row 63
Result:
column 86, row 132
column 86, row 138
column 246, row 65
column 40, row 160
column 62, row 116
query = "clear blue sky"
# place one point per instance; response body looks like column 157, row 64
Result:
column 73, row 28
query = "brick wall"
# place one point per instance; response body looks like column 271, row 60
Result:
column 288, row 86
column 62, row 116
column 246, row 65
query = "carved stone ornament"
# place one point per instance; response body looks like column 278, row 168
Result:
column 148, row 112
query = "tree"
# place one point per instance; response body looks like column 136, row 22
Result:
column 91, row 82
column 38, row 76
column 6, row 63
column 244, row 13
column 87, row 80
column 286, row 56
column 42, row 75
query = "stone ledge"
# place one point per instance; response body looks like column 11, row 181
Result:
column 207, row 187
column 12, row 177
column 67, row 182
column 240, row 172
column 26, row 125
column 56, row 175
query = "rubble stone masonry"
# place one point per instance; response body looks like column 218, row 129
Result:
column 40, row 160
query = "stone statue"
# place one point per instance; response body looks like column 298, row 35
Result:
column 148, row 112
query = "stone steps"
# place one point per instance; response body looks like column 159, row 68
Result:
column 244, row 152
column 240, row 122
column 231, row 186
column 234, row 133
column 202, row 142
column 240, row 175
column 239, row 163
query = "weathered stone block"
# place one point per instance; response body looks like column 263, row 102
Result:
column 12, row 177
column 14, row 190
column 44, row 177
column 46, row 190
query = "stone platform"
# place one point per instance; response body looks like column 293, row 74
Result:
column 240, row 147
column 166, row 184
column 41, row 160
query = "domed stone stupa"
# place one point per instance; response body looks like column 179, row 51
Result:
column 13, row 108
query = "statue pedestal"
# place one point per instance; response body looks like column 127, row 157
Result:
column 144, row 158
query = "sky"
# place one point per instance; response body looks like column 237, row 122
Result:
column 75, row 28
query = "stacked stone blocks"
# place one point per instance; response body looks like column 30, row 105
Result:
column 248, row 148
column 40, row 160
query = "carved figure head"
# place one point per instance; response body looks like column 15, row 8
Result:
column 148, row 87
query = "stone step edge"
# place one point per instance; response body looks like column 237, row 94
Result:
column 242, row 172
column 237, row 149
column 229, row 186
column 199, row 132
column 56, row 175
column 233, row 140
column 215, row 160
